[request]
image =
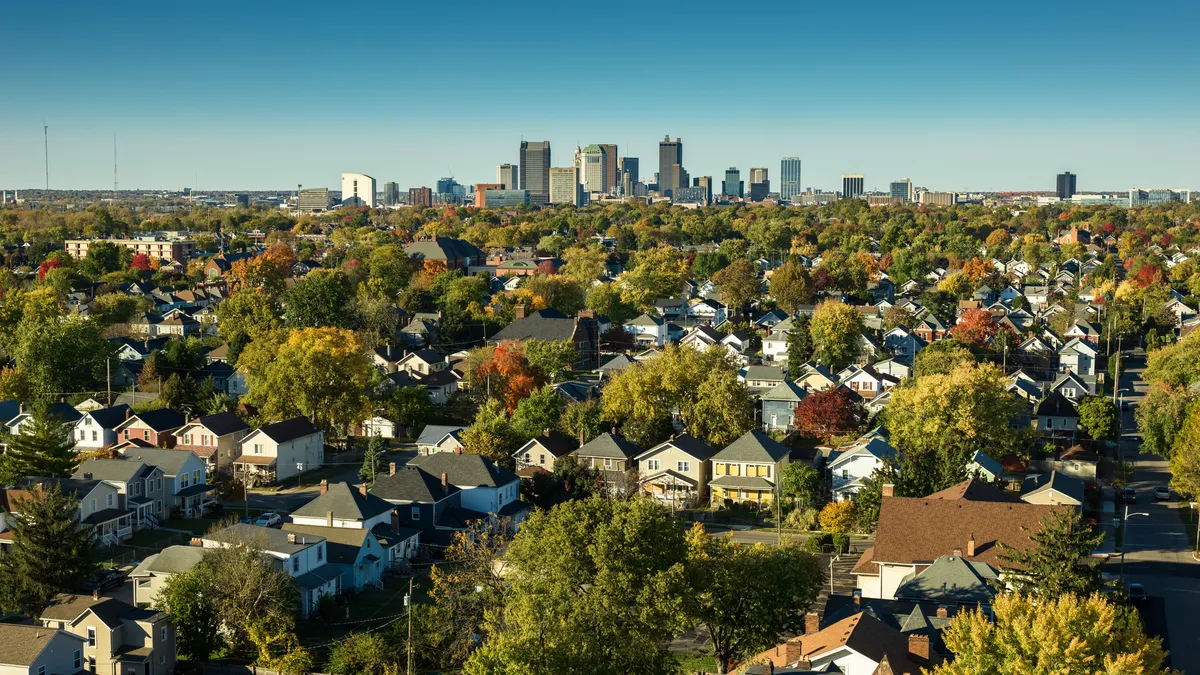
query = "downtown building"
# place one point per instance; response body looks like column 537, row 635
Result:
column 939, row 198
column 358, row 189
column 670, row 166
column 391, row 194
column 564, row 186
column 902, row 190
column 314, row 200
column 789, row 178
column 1158, row 196
column 1065, row 185
column 534, row 170
column 506, row 175
column 852, row 185
column 733, row 186
column 421, row 197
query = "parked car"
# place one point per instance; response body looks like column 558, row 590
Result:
column 1128, row 496
column 1162, row 493
column 213, row 508
column 268, row 519
column 1137, row 593
column 105, row 579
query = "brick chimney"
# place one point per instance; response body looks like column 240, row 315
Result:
column 889, row 490
column 812, row 623
column 87, row 475
column 96, row 594
column 445, row 481
column 971, row 547
column 128, row 414
column 324, row 485
column 291, row 537
column 918, row 648
column 458, row 449
column 362, row 489
column 391, row 468
column 943, row 612
column 519, row 311
column 196, row 541
column 957, row 553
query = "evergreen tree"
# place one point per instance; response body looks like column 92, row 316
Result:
column 44, row 447
column 1055, row 565
column 50, row 552
column 374, row 459
column 799, row 345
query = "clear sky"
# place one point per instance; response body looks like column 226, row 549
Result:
column 255, row 95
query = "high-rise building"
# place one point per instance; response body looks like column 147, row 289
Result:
column 690, row 195
column 759, row 191
column 611, row 179
column 391, row 194
column 852, row 185
column 506, row 175
column 1066, row 185
column 499, row 199
column 481, row 190
column 629, row 167
column 902, row 189
column 758, row 176
column 789, row 175
column 939, row 198
column 535, row 170
column 733, row 185
column 421, row 197
column 705, row 182
column 314, row 200
column 593, row 170
column 445, row 186
column 564, row 185
column 358, row 188
column 670, row 165
column 1157, row 196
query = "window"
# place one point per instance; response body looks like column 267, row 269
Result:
column 164, row 633
column 187, row 439
column 296, row 565
column 77, row 662
column 542, row 459
column 160, row 482
column 845, row 474
column 652, row 465
column 1069, row 392
column 93, row 434
column 158, row 506
column 41, row 670
column 527, row 458
column 145, row 434
column 416, row 513
column 91, row 506
column 91, row 637
column 683, row 466
column 195, row 476
column 79, row 434
column 607, row 463
column 109, row 501
column 258, row 448
column 126, row 434
column 320, row 552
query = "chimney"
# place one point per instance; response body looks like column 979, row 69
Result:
column 395, row 520
column 458, row 449
column 21, row 408
column 329, row 519
column 519, row 311
column 445, row 481
column 889, row 490
column 128, row 413
column 196, row 541
column 812, row 623
column 546, row 431
column 96, row 594
column 971, row 547
column 918, row 648
column 943, row 612
column 391, row 468
column 957, row 553
column 87, row 475
column 291, row 537
column 324, row 485
column 857, row 594
column 362, row 489
column 113, row 454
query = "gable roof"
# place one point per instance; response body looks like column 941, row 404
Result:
column 875, row 446
column 785, row 391
column 609, row 445
column 464, row 470
column 162, row 419
column 273, row 540
column 342, row 544
column 116, row 470
column 170, row 560
column 111, row 417
column 864, row 634
column 1063, row 484
column 555, row 442
column 69, row 607
column 289, row 430
column 433, row 433
column 1055, row 405
column 687, row 444
column 223, row 423
column 950, row 576
column 21, row 645
column 411, row 484
column 974, row 490
column 753, row 446
column 345, row 502
column 170, row 461
column 544, row 324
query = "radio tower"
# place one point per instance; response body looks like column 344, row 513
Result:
column 114, row 166
column 46, row 143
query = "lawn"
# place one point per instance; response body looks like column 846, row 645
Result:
column 197, row 526
column 366, row 610
column 696, row 663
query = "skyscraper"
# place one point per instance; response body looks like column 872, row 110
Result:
column 629, row 166
column 391, row 194
column 1066, row 185
column 535, row 170
column 358, row 188
column 506, row 175
column 758, row 176
column 852, row 185
column 593, row 169
column 705, row 182
column 902, row 189
column 422, row 197
column 610, row 166
column 789, row 174
column 564, row 186
column 670, row 165
column 733, row 186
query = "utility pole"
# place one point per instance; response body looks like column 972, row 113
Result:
column 408, row 603
column 108, row 379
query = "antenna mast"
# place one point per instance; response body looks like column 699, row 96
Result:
column 114, row 166
column 46, row 143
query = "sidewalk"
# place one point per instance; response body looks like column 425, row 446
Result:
column 1106, row 522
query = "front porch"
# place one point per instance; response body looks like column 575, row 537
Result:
column 254, row 470
column 672, row 487
column 110, row 526
column 191, row 500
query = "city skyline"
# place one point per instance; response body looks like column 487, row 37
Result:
column 246, row 105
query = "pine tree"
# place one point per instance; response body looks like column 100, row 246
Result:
column 374, row 459
column 45, row 447
column 799, row 345
column 50, row 551
column 1055, row 565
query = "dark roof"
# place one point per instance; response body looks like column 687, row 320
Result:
column 609, row 445
column 950, row 576
column 544, row 324
column 411, row 484
column 9, row 410
column 162, row 419
column 68, row 607
column 289, row 430
column 170, row 461
column 464, row 470
column 345, row 502
column 118, row 470
column 390, row 352
column 223, row 423
column 974, row 490
column 1071, row 487
column 432, row 433
column 1055, row 405
column 753, row 446
column 75, row 487
column 110, row 418
column 429, row 355
column 556, row 442
column 442, row 248
column 689, row 444
column 269, row 538
column 438, row 378
column 342, row 544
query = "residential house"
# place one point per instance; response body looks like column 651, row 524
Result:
column 866, row 350
column 860, row 644
column 427, row 503
column 33, row 650
column 542, row 452
column 483, row 486
column 1082, row 330
column 378, row 426
column 155, row 427
column 97, row 429
column 151, row 575
column 354, row 553
column 185, row 484
column 748, row 469
column 677, row 470
column 215, row 439
column 895, row 368
column 762, row 378
column 455, row 254
column 419, row 363
column 701, row 338
column 615, row 458
column 341, row 506
column 551, row 325
column 930, row 329
column 281, row 450
column 60, row 411
column 1053, row 488
column 302, row 556
column 850, row 465
column 771, row 319
column 864, row 381
column 779, row 406
column 440, row 385
column 648, row 331
column 708, row 311
column 100, row 507
column 440, row 438
column 1071, row 386
column 118, row 637
column 140, row 486
column 969, row 520
column 902, row 344
column 983, row 466
column 1078, row 356
column 815, row 377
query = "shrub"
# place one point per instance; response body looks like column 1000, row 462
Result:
column 817, row 542
column 838, row 516
column 327, row 608
column 801, row 519
column 841, row 543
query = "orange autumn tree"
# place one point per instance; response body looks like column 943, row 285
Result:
column 268, row 271
column 976, row 327
column 978, row 270
column 506, row 372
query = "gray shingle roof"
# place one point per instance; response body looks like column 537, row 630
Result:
column 690, row 444
column 345, row 502
column 270, row 538
column 170, row 461
column 432, row 433
column 785, row 391
column 20, row 645
column 171, row 560
column 544, row 324
column 753, row 446
column 950, row 576
column 411, row 484
column 609, row 446
column 117, row 470
column 223, row 423
column 1071, row 487
column 465, row 470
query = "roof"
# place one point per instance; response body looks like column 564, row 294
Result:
column 426, row 355
column 950, row 576
column 1055, row 405
column 388, row 536
column 753, row 446
column 289, row 430
column 554, row 441
column 162, row 419
column 875, row 446
column 743, row 482
column 68, row 607
column 610, row 446
column 974, row 490
column 864, row 634
column 170, row 461
column 117, row 470
column 913, row 530
column 20, row 644
column 342, row 544
column 170, row 560
column 442, row 248
column 619, row 362
column 75, row 487
column 465, row 470
column 1063, row 484
column 764, row 373
column 544, row 324
column 345, row 502
column 688, row 444
column 411, row 484
column 110, row 418
column 987, row 463
column 273, row 540
column 646, row 320
column 223, row 423
column 785, row 391
column 432, row 433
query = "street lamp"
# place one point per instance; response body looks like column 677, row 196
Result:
column 1125, row 537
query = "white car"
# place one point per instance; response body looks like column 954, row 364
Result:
column 268, row 519
column 1162, row 493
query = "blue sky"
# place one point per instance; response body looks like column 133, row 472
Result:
column 957, row 96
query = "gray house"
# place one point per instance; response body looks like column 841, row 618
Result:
column 779, row 406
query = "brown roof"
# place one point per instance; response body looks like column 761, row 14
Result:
column 20, row 645
column 976, row 491
column 866, row 635
column 919, row 530
column 866, row 564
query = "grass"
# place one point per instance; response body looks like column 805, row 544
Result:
column 370, row 604
column 696, row 663
column 310, row 477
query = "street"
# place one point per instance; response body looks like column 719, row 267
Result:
column 1157, row 552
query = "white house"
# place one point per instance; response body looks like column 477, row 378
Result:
column 439, row 438
column 852, row 464
column 281, row 450
column 648, row 331
column 98, row 428
column 483, row 486
column 302, row 556
column 1077, row 356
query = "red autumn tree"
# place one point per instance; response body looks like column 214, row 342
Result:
column 47, row 265
column 976, row 327
column 507, row 373
column 1149, row 275
column 825, row 413
column 141, row 262
column 546, row 267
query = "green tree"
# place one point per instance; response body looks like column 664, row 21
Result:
column 656, row 273
column 706, row 264
column 538, row 412
column 607, row 299
column 596, row 587
column 375, row 459
column 553, row 357
column 869, row 498
column 799, row 345
column 62, row 356
column 1058, row 561
column 583, row 421
column 835, row 330
column 469, row 587
column 1099, row 415
column 391, row 266
column 1068, row 635
column 491, row 435
column 801, row 485
column 839, row 517
column 365, row 654
column 115, row 308
column 410, row 406
column 51, row 551
column 748, row 597
column 321, row 299
column 1160, row 416
column 941, row 357
column 45, row 447
column 585, row 265
column 724, row 409
column 185, row 599
column 791, row 287
column 738, row 283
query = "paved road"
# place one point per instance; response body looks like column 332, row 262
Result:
column 1157, row 552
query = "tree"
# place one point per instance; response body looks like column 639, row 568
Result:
column 115, row 308
column 976, row 327
column 825, row 413
column 583, row 421
column 141, row 262
column 897, row 317
column 835, row 330
column 51, row 550
column 410, row 406
column 569, row 480
column 490, row 435
column 366, row 653
column 941, row 357
column 45, row 447
column 1184, row 459
column 374, row 459
column 748, row 597
column 724, row 409
column 503, row 372
column 869, row 498
column 62, row 356
column 706, row 264
column 1066, row 635
column 539, row 411
column 321, row 299
column 738, row 283
column 1160, row 416
column 249, row 312
column 268, row 271
column 1054, row 565
column 391, row 266
column 15, row 386
column 596, row 587
column 606, row 299
column 552, row 357
column 957, row 285
column 799, row 345
column 585, row 265
column 941, row 304
column 838, row 517
column 801, row 484
column 656, row 273
column 185, row 599
column 1099, row 415
column 469, row 587
column 791, row 287
column 321, row 373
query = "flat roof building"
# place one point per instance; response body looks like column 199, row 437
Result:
column 358, row 189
